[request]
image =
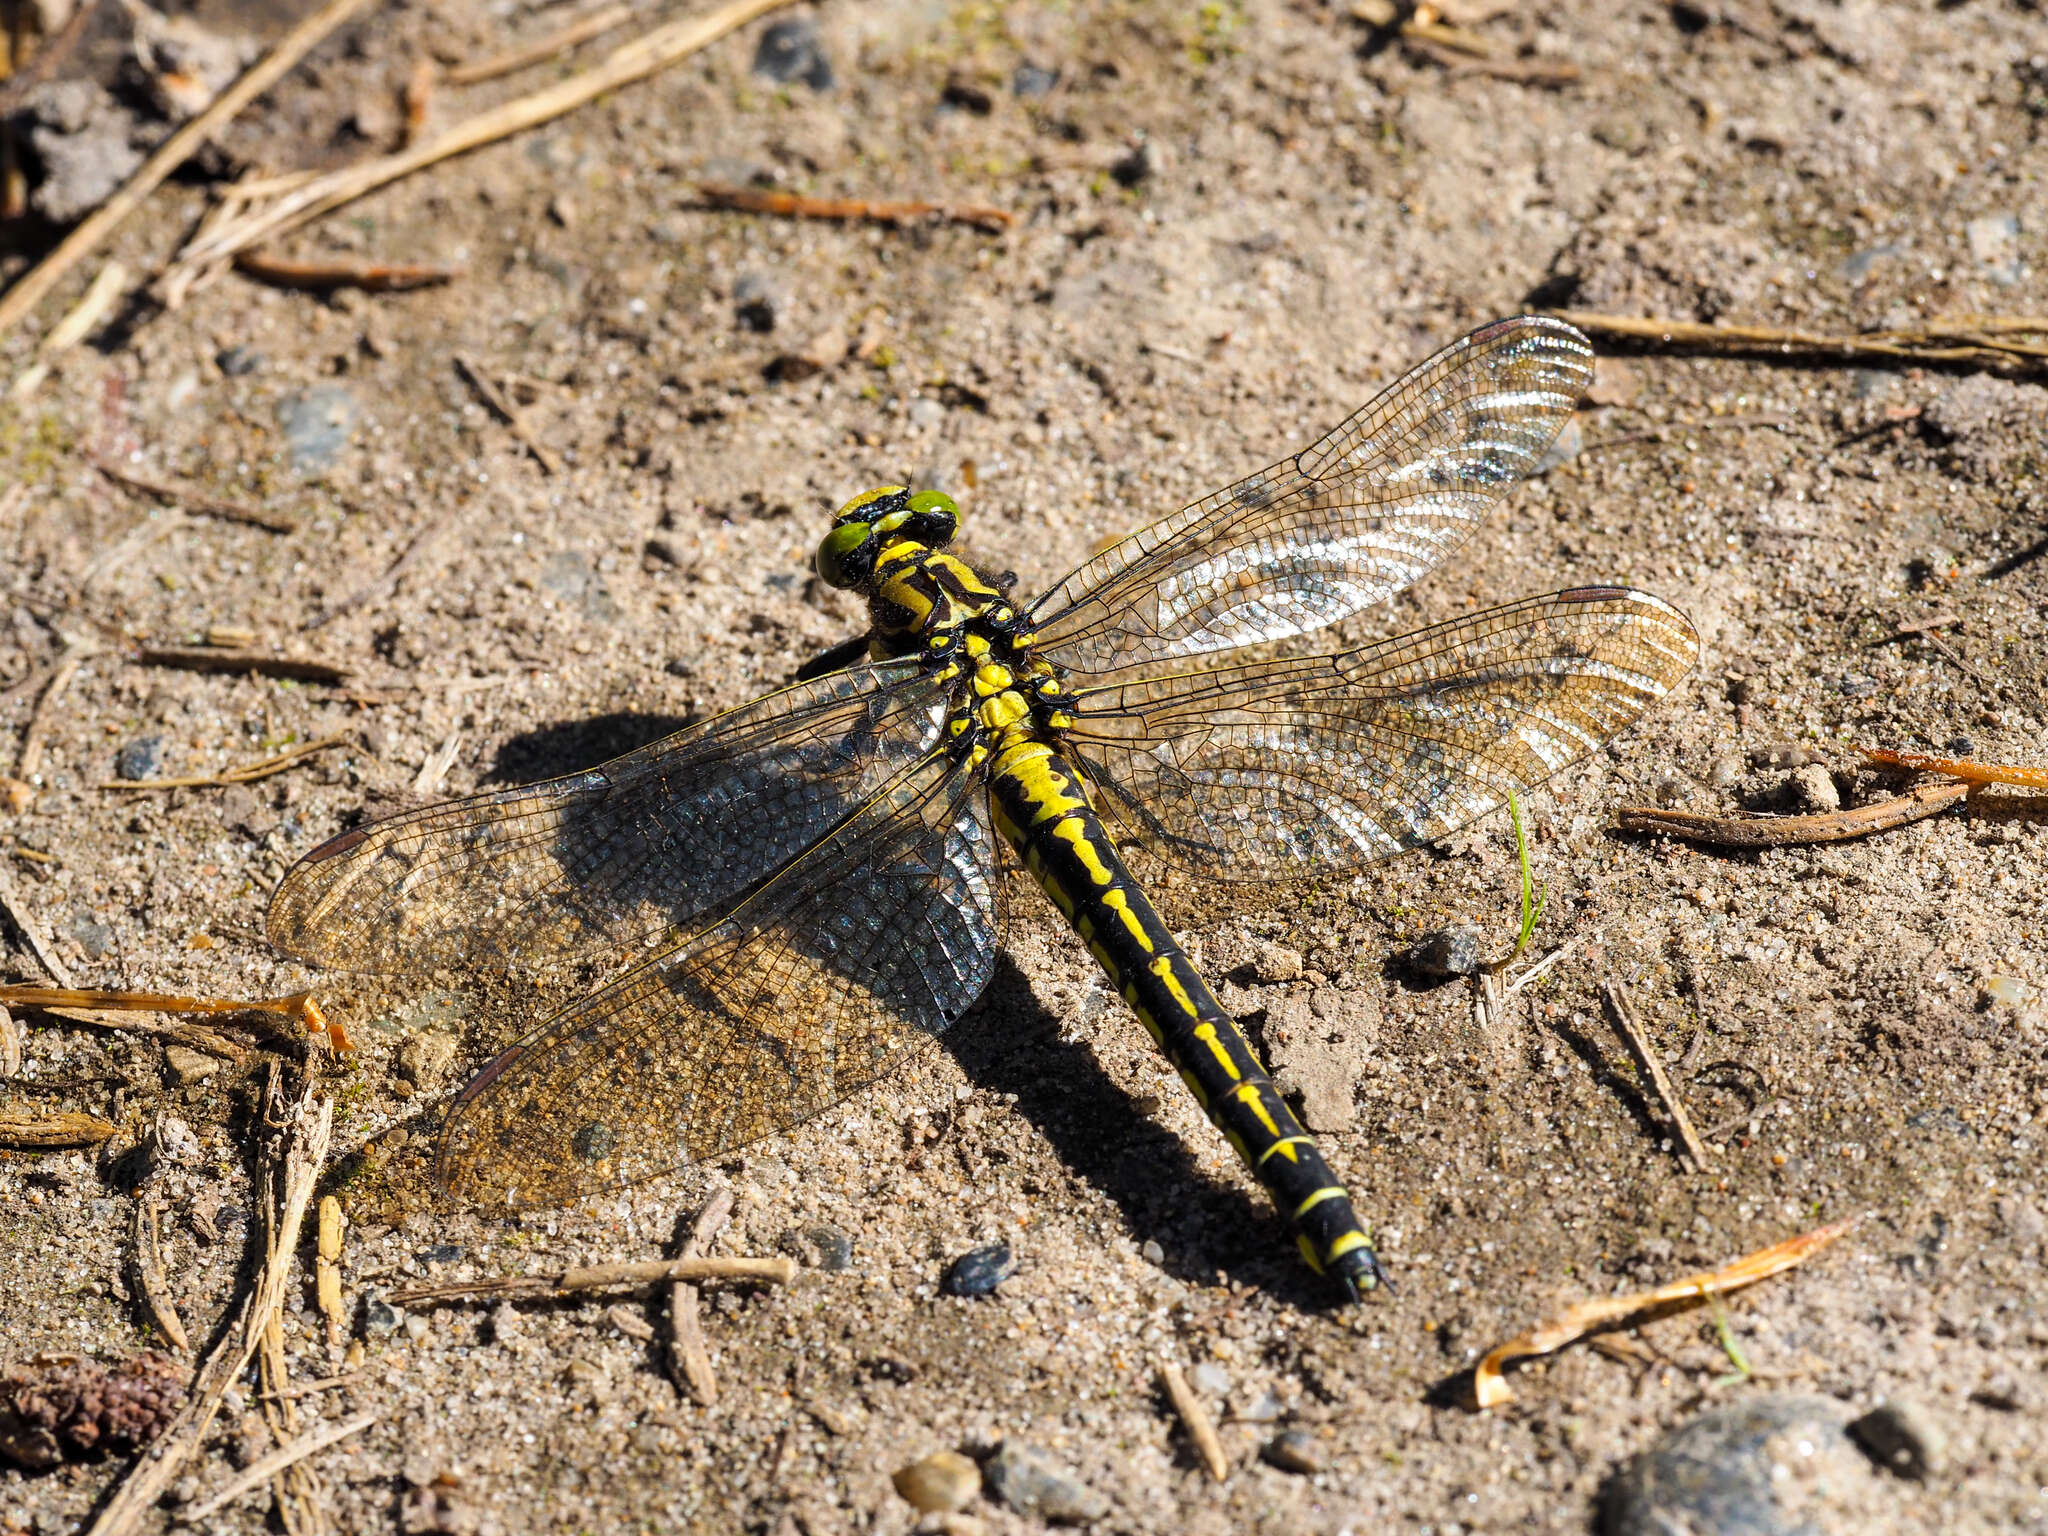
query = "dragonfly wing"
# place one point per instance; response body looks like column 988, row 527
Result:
column 1347, row 523
column 1270, row 768
column 874, row 940
column 644, row 845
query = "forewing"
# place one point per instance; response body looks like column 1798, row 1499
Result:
column 1274, row 768
column 641, row 846
column 1345, row 524
column 872, row 942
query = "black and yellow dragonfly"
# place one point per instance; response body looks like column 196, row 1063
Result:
column 813, row 879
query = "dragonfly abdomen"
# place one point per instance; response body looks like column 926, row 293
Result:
column 1041, row 808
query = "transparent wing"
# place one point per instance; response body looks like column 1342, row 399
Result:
column 870, row 943
column 1345, row 524
column 641, row 846
column 1270, row 768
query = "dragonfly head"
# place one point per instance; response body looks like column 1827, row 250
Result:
column 874, row 519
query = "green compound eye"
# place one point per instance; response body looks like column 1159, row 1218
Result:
column 934, row 518
column 845, row 558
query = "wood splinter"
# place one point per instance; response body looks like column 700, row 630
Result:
column 1614, row 997
column 1793, row 831
column 1201, row 1430
column 599, row 1277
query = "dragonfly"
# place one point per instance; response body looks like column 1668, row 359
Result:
column 807, row 889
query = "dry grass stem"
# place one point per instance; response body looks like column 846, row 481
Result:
column 1975, row 340
column 434, row 771
column 1614, row 998
column 644, row 56
column 195, row 1037
column 1601, row 1315
column 10, row 1045
column 689, row 1357
column 326, row 276
column 327, row 1270
column 300, row 1005
column 574, row 35
column 150, row 1278
column 30, row 761
column 1793, row 831
column 32, row 932
column 509, row 413
column 38, row 1133
column 248, row 773
column 193, row 500
column 37, row 282
column 263, row 1469
column 1201, row 1429
column 790, row 205
column 776, row 1271
column 67, row 333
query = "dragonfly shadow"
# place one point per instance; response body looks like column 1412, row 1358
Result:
column 1012, row 1044
column 574, row 745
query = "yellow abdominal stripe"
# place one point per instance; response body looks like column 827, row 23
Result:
column 1163, row 969
column 1206, row 1033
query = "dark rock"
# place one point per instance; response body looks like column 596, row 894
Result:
column 380, row 1318
column 1030, row 81
column 758, row 301
column 980, row 1271
column 1770, row 1466
column 792, row 50
column 140, row 758
column 1293, row 1450
column 1448, row 952
column 942, row 1482
column 1022, row 1477
column 1903, row 1439
column 1141, row 165
column 239, row 362
column 833, row 1247
column 965, row 94
column 317, row 425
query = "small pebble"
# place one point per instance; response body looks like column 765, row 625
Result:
column 238, row 362
column 416, row 1326
column 943, row 1481
column 1152, row 1252
column 979, row 1272
column 93, row 936
column 1563, row 448
column 1030, row 81
column 1140, row 165
column 1812, row 789
column 833, row 1247
column 1293, row 1450
column 1275, row 962
column 380, row 1318
column 791, row 51
column 1726, row 770
column 317, row 425
column 189, row 1067
column 1211, row 1378
column 1901, row 1438
column 1448, row 952
column 140, row 759
column 2005, row 989
column 627, row 1319
column 1020, row 1475
column 758, row 301
column 424, row 1060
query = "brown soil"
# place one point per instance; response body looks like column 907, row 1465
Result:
column 1315, row 208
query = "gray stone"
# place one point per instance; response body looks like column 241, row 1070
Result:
column 979, row 1272
column 380, row 1318
column 1902, row 1438
column 1030, row 81
column 1565, row 447
column 1812, row 789
column 93, row 936
column 791, row 51
column 140, row 758
column 944, row 1481
column 1778, row 1465
column 239, row 362
column 189, row 1067
column 1293, row 1450
column 1022, row 1477
column 1211, row 1378
column 1448, row 952
column 83, row 139
column 833, row 1247
column 317, row 425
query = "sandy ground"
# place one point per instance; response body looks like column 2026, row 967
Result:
column 1860, row 1029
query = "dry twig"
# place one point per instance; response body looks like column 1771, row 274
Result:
column 23, row 917
column 213, row 658
column 327, row 1270
column 689, row 1359
column 1614, row 997
column 790, row 205
column 1963, row 768
column 574, row 35
column 599, row 1277
column 1196, row 1418
column 263, row 1469
column 30, row 762
column 308, row 199
column 67, row 333
column 1490, row 1389
column 172, row 153
column 326, row 276
column 65, row 1128
column 150, row 1278
column 1978, row 340
column 1793, row 831
column 509, row 413
column 193, row 500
